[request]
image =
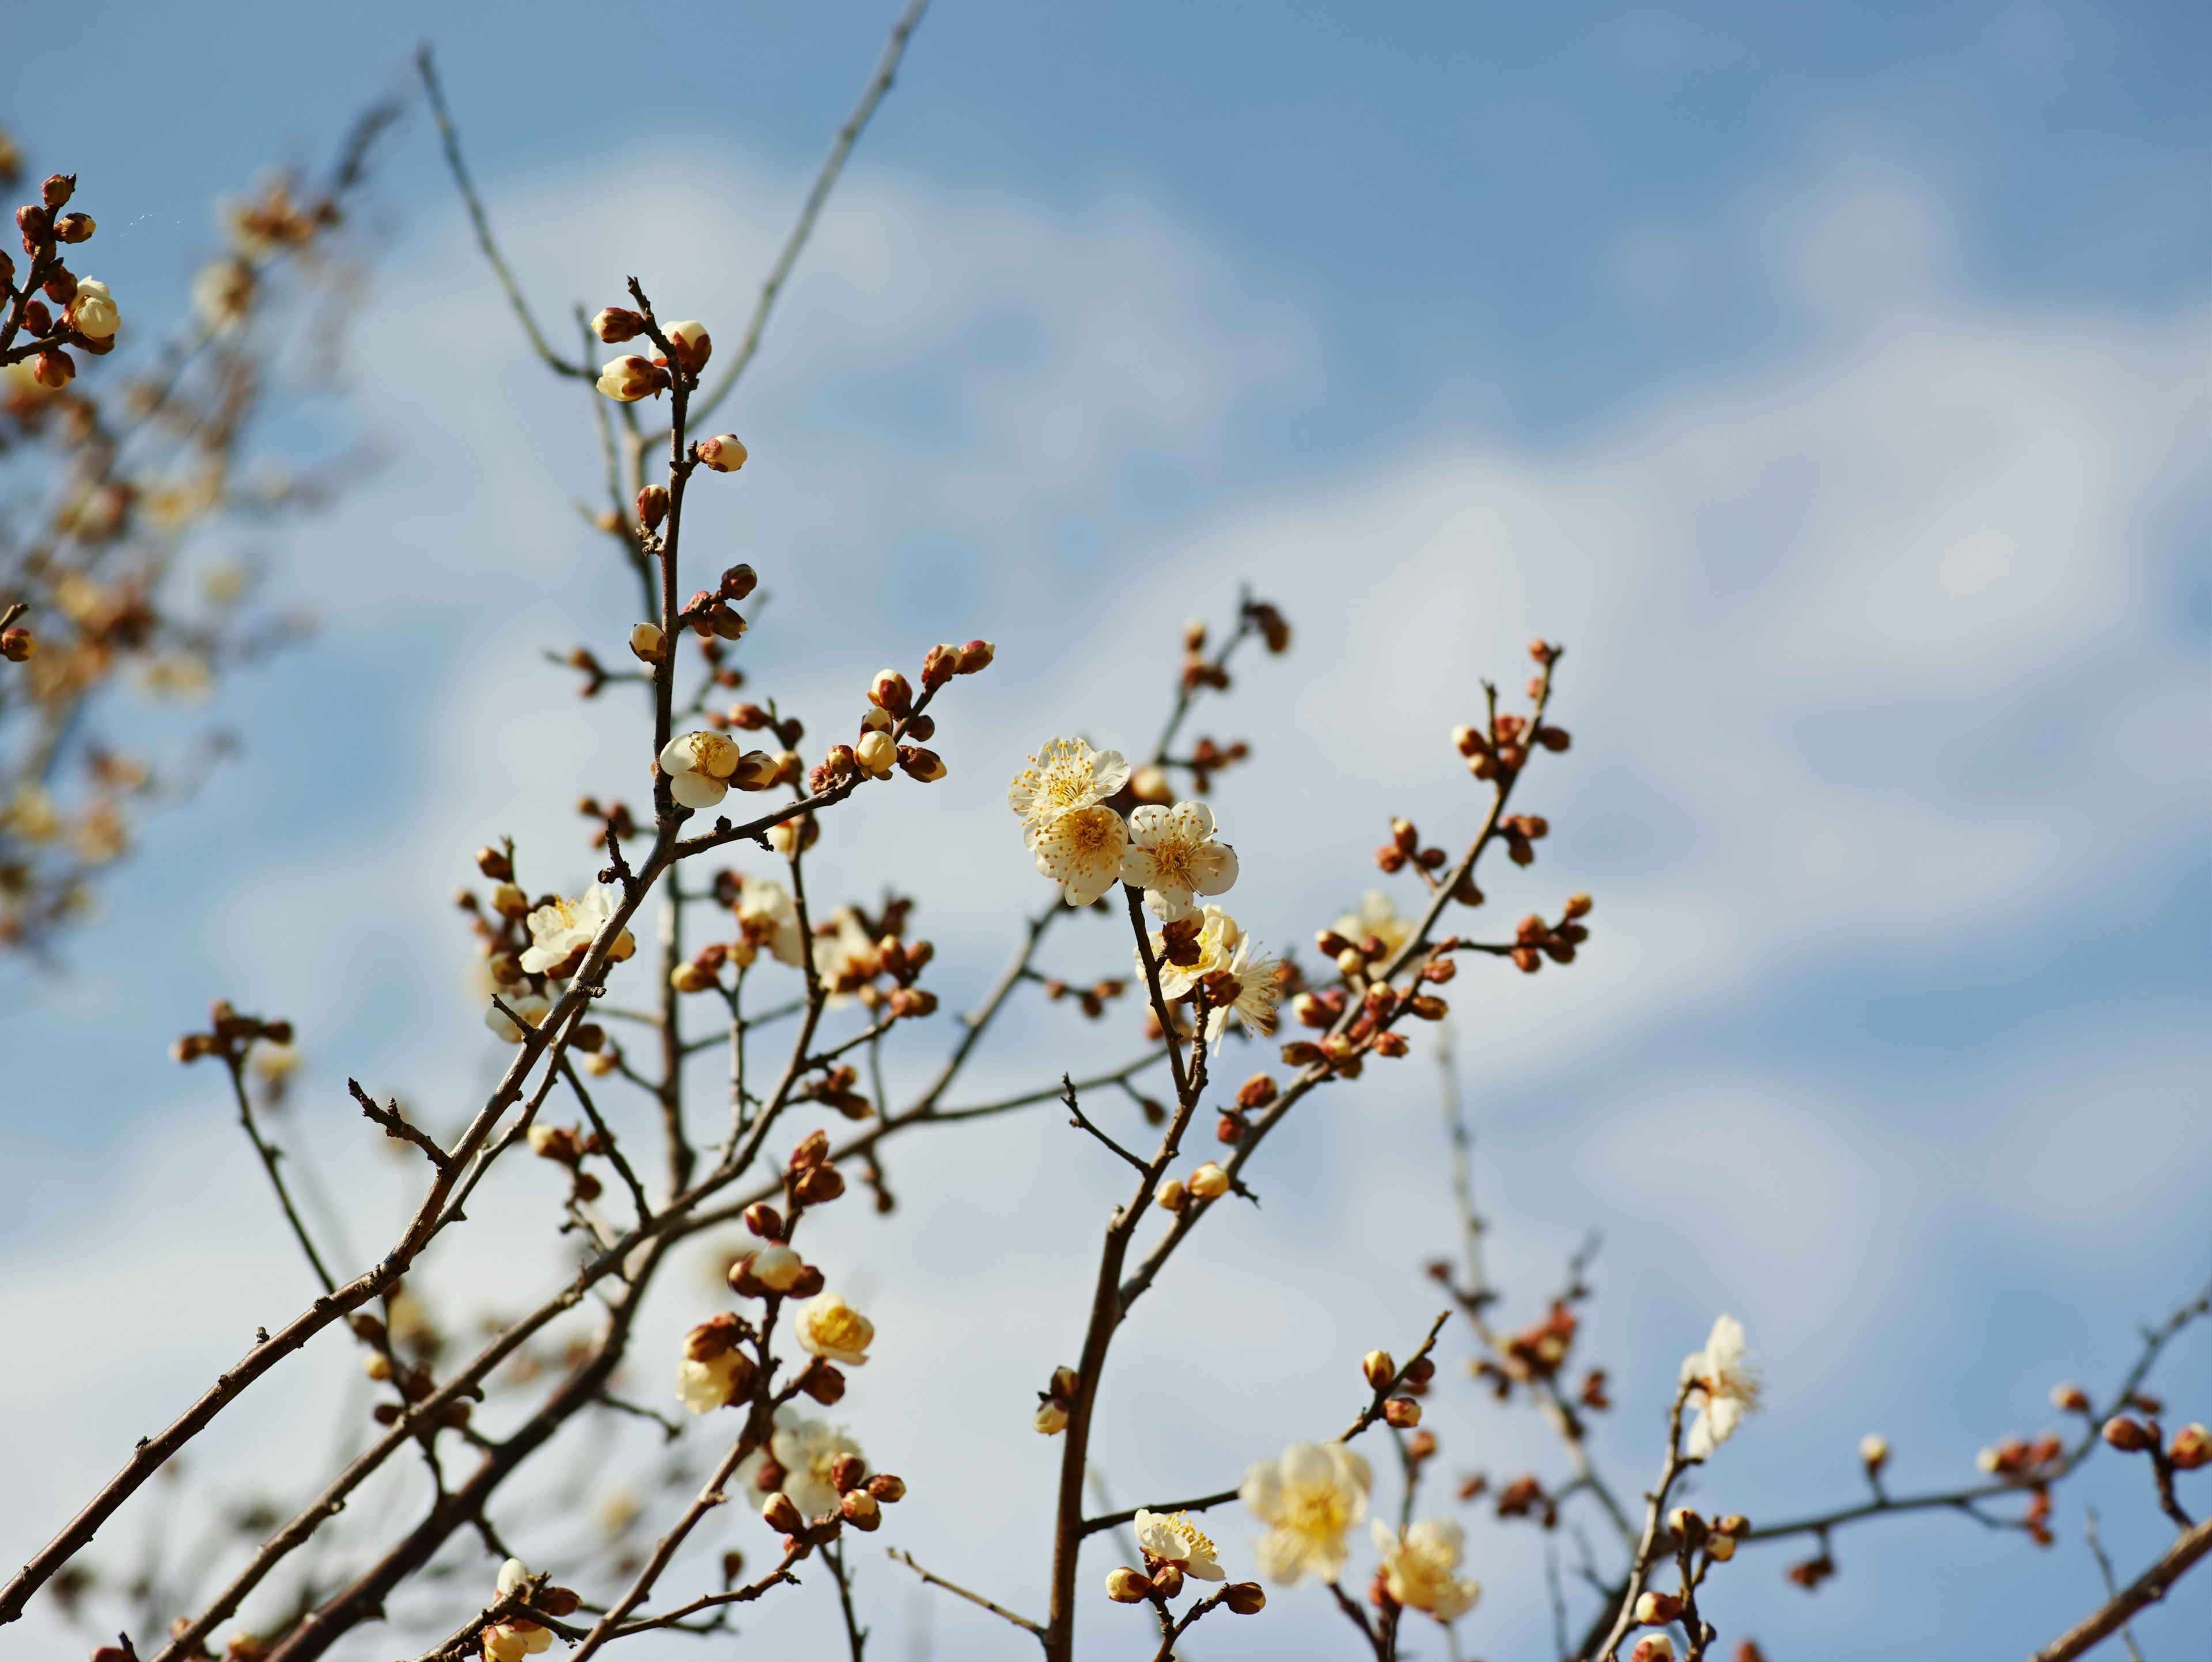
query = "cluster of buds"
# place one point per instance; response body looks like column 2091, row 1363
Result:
column 516, row 1637
column 1524, row 1497
column 835, row 1088
column 1521, row 831
column 1256, row 1093
column 1093, row 999
column 631, row 377
column 860, row 1501
column 1809, row 1572
column 613, row 818
column 1198, row 670
column 751, row 718
column 1210, row 1181
column 1151, row 783
column 1716, row 1538
column 87, row 319
column 229, row 1036
column 1162, row 1579
column 2019, row 1462
column 1404, row 845
column 1534, row 941
column 1057, row 1401
column 1380, row 1370
column 567, row 1145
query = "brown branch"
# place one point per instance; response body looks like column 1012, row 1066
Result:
column 1647, row 1548
column 936, row 1580
column 1068, row 1096
column 1204, row 1502
column 1384, row 1391
column 234, row 1065
column 2147, row 1589
column 396, row 1124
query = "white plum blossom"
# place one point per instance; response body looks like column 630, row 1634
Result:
column 807, row 1450
column 93, row 312
column 562, row 930
column 1379, row 918
column 1724, row 1386
column 699, row 766
column 1172, row 1539
column 1420, row 1564
column 768, row 918
column 1173, row 858
column 1065, row 775
column 1310, row 1499
column 1258, row 989
column 834, row 1330
column 1081, row 850
column 1218, row 936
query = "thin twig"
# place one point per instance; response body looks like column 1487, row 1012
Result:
column 2111, row 1582
column 2147, row 1589
column 936, row 1580
column 1068, row 1096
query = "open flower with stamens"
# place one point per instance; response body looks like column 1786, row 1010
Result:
column 1723, row 1384
column 1248, row 986
column 699, row 766
column 1419, row 1565
column 560, row 931
column 1218, row 935
column 1172, row 1539
column 1066, row 775
column 1310, row 1499
column 834, row 1330
column 846, row 956
column 1173, row 858
column 808, row 1450
column 1081, row 850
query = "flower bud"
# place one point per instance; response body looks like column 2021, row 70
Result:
column 92, row 310
column 1172, row 1197
column 74, row 228
column 1051, row 1417
column 1126, row 1587
column 1244, row 1597
column 1653, row 1647
column 887, row 1488
column 57, row 189
column 976, row 655
column 860, row 1510
column 1256, row 1092
column 1209, row 1182
column 876, row 755
column 653, row 506
column 818, row 1185
column 626, row 380
column 693, row 345
column 2192, row 1447
column 924, row 766
column 890, row 692
column 54, row 369
column 1655, row 1608
column 1402, row 1412
column 823, row 1382
column 17, row 644
column 1167, row 1580
column 2127, row 1435
column 645, row 641
column 2070, row 1398
column 1379, row 1367
column 615, row 324
column 780, row 1515
column 722, row 453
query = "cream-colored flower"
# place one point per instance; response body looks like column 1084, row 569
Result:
column 1066, row 775
column 532, row 1008
column 222, row 293
column 699, row 766
column 1172, row 858
column 1172, row 1539
column 93, row 312
column 1419, row 1566
column 1248, row 987
column 562, row 930
column 844, row 956
column 1376, row 916
column 1725, row 1387
column 834, row 1330
column 1310, row 1499
column 704, row 1386
column 1081, row 850
column 1218, row 936
column 769, row 918
column 808, row 1450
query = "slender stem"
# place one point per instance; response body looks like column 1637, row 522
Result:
column 2147, row 1589
column 235, row 1065
column 936, row 1580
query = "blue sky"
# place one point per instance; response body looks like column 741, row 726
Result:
column 1833, row 380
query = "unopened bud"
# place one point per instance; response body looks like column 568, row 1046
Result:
column 1685, row 1525
column 1653, row 1647
column 1578, row 905
column 976, row 655
column 17, row 644
column 1403, row 1413
column 626, row 380
column 810, row 1150
column 1167, row 1580
column 653, row 506
column 692, row 344
column 819, row 1185
column 1172, row 1197
column 2127, row 1435
column 1379, row 1368
column 1873, row 1451
column 56, row 190
column 780, row 1515
column 74, row 228
column 615, row 324
column 823, row 1382
column 924, row 766
column 1351, row 962
column 1244, row 1597
column 1126, row 1587
column 861, row 1511
column 1404, row 838
column 1051, row 1417
column 2192, row 1447
column 890, row 693
column 1655, row 1608
column 2070, row 1398
column 1256, row 1092
column 1209, row 1182
column 887, row 1488
column 645, row 641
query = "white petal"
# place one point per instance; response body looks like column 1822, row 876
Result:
column 696, row 790
column 1138, row 865
column 1147, row 825
column 1109, row 772
column 1215, row 867
column 1194, row 821
column 676, row 755
column 1168, row 906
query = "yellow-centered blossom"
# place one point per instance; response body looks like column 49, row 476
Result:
column 808, row 1450
column 561, row 930
column 1173, row 858
column 1172, row 1539
column 1310, row 1499
column 1065, row 775
column 1419, row 1568
column 834, row 1330
column 1724, row 1387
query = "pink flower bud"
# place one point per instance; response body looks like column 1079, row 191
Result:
column 723, row 453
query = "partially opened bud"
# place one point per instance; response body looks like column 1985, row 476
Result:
column 877, row 754
column 938, row 665
column 722, row 453
column 1209, row 1182
column 890, row 693
column 1380, row 1368
column 862, row 1510
column 1653, row 1647
column 778, row 1268
column 626, row 380
column 1656, row 1608
column 692, row 344
column 1126, row 1587
column 1172, row 1197
column 1051, row 1417
column 92, row 310
column 1403, row 1413
column 780, row 1514
column 976, row 655
column 645, row 641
